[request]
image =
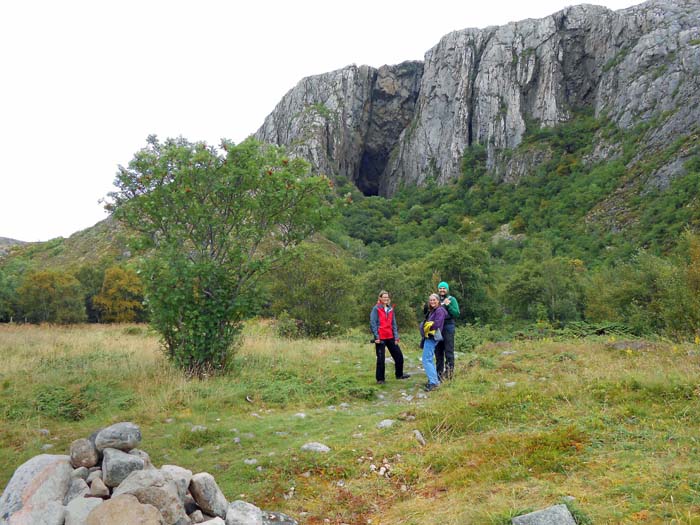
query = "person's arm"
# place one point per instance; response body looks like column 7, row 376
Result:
column 394, row 327
column 374, row 323
column 453, row 308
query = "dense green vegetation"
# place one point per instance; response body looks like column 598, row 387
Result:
column 574, row 240
column 211, row 223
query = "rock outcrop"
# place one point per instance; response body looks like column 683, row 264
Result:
column 62, row 490
column 396, row 125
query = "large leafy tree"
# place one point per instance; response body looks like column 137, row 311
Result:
column 315, row 288
column 121, row 298
column 213, row 223
column 51, row 297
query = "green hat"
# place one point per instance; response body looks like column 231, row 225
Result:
column 443, row 284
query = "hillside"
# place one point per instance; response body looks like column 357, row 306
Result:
column 105, row 240
column 7, row 244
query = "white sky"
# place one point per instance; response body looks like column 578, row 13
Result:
column 85, row 82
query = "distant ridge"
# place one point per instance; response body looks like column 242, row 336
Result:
column 6, row 244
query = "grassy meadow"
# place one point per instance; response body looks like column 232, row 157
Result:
column 607, row 426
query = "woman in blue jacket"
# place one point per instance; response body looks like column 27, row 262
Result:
column 431, row 332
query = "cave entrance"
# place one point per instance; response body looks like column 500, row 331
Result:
column 369, row 177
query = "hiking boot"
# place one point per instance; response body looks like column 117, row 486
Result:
column 430, row 387
column 381, row 382
column 405, row 376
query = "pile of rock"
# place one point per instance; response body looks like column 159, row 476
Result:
column 107, row 480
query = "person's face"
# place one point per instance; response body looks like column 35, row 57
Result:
column 385, row 298
column 433, row 302
column 442, row 291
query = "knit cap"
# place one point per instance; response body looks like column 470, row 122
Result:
column 444, row 285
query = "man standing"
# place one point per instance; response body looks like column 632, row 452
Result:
column 386, row 334
column 445, row 349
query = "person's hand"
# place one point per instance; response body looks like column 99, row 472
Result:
column 398, row 339
column 377, row 341
column 446, row 301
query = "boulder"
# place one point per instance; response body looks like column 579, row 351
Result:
column 180, row 476
column 556, row 515
column 36, row 490
column 78, row 488
column 152, row 488
column 83, row 453
column 124, row 509
column 207, row 494
column 315, row 447
column 78, row 510
column 122, row 436
column 144, row 456
column 117, row 465
column 243, row 513
column 99, row 489
column 81, row 472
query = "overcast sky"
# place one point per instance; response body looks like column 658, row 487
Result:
column 85, row 82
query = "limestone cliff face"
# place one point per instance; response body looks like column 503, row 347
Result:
column 347, row 122
column 400, row 124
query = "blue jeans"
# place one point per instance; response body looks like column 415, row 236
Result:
column 428, row 364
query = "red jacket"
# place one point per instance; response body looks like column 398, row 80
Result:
column 382, row 323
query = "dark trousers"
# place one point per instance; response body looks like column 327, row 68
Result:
column 396, row 355
column 445, row 353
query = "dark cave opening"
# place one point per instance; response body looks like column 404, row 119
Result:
column 369, row 176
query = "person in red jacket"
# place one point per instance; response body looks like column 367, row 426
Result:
column 382, row 322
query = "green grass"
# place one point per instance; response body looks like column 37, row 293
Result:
column 518, row 430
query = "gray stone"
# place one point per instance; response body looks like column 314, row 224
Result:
column 95, row 474
column 315, row 447
column 81, row 472
column 556, row 515
column 78, row 488
column 36, row 490
column 243, row 513
column 78, row 510
column 277, row 518
column 121, row 436
column 83, row 453
column 197, row 516
column 99, row 489
column 207, row 494
column 152, row 488
column 144, row 456
column 124, row 509
column 117, row 465
column 419, row 437
column 180, row 476
column 386, row 423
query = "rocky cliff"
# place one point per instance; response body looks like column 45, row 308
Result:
column 382, row 128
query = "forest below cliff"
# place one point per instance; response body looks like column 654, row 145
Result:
column 579, row 245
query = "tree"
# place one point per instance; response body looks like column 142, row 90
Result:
column 467, row 269
column 121, row 298
column 7, row 297
column 91, row 277
column 51, row 296
column 213, row 223
column 315, row 288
